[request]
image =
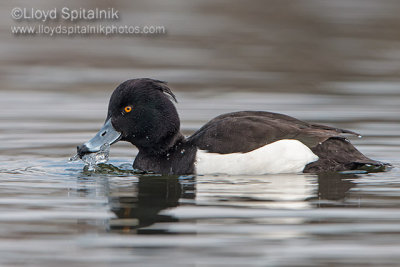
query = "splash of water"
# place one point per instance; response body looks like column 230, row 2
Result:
column 93, row 159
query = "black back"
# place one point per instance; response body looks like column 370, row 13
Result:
column 248, row 130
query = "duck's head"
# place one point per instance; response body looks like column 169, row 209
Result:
column 140, row 112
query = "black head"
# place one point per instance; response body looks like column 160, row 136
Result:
column 141, row 112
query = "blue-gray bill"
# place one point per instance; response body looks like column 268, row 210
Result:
column 106, row 135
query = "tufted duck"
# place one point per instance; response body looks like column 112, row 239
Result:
column 141, row 112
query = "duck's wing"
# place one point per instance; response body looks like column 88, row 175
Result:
column 248, row 130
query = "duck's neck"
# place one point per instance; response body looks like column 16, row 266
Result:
column 162, row 146
column 175, row 157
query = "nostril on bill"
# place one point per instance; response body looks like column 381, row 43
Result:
column 104, row 133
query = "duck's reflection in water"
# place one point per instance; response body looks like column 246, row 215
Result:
column 139, row 205
column 153, row 194
column 335, row 186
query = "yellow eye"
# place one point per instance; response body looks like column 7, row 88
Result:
column 128, row 109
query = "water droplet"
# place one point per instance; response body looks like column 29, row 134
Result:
column 182, row 151
column 93, row 159
column 359, row 136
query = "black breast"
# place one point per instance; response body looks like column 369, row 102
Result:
column 179, row 159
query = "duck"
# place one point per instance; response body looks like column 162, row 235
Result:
column 142, row 112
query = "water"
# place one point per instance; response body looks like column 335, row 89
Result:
column 330, row 62
column 53, row 211
column 92, row 160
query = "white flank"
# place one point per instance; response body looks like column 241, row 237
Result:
column 283, row 156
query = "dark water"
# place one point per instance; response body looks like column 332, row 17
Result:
column 331, row 62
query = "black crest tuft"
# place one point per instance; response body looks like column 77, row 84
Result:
column 162, row 86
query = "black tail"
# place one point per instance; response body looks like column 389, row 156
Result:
column 338, row 154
